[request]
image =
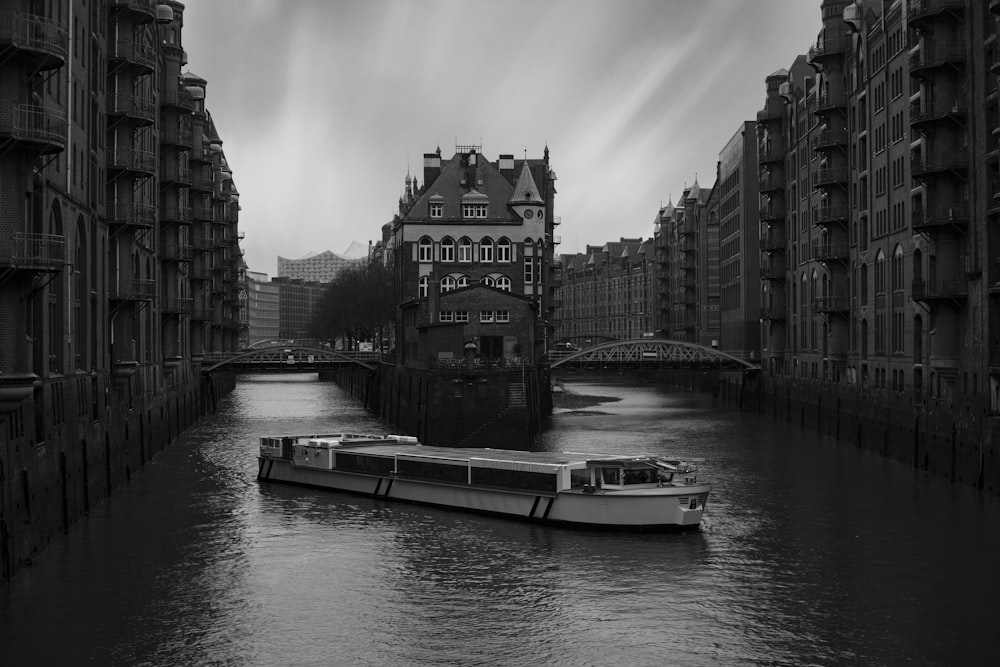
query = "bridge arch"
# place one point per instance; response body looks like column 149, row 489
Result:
column 654, row 351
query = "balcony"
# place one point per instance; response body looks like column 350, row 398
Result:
column 828, row 139
column 39, row 39
column 145, row 10
column 129, row 52
column 772, row 242
column 38, row 252
column 771, row 114
column 133, row 289
column 953, row 217
column 830, row 215
column 772, row 213
column 955, row 162
column 835, row 304
column 179, row 214
column 829, row 177
column 830, row 252
column 137, row 108
column 201, row 313
column 138, row 216
column 176, row 252
column 202, row 242
column 771, row 155
column 177, row 306
column 772, row 272
column 830, row 102
column 204, row 213
column 925, row 112
column 771, row 315
column 943, row 289
column 200, row 272
column 181, row 137
column 922, row 12
column 178, row 98
column 176, row 174
column 771, row 183
column 40, row 128
column 934, row 56
column 832, row 46
column 131, row 160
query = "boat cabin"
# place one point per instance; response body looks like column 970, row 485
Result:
column 632, row 473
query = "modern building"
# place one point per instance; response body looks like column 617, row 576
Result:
column 474, row 223
column 297, row 304
column 263, row 310
column 321, row 267
column 119, row 257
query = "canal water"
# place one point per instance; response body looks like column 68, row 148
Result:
column 812, row 553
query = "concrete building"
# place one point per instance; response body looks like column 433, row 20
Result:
column 321, row 267
column 475, row 222
column 297, row 304
column 111, row 287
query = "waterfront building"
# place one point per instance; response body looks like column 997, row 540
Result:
column 474, row 223
column 322, row 267
column 262, row 308
column 111, row 287
column 739, row 258
column 607, row 293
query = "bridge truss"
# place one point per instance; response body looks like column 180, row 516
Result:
column 287, row 359
column 651, row 353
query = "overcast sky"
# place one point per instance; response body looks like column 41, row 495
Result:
column 323, row 105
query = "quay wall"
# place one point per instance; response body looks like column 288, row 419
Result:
column 74, row 440
column 454, row 408
column 958, row 441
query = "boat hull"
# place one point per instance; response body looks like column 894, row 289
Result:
column 656, row 510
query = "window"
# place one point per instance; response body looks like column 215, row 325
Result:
column 447, row 249
column 486, row 316
column 529, row 270
column 465, row 249
column 461, row 280
column 502, row 283
column 462, row 316
column 503, row 251
column 422, row 286
column 479, row 211
column 489, row 281
column 425, row 250
column 486, row 251
column 436, row 209
column 502, row 316
column 446, row 316
column 448, row 284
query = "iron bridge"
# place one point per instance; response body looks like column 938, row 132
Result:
column 287, row 359
column 650, row 353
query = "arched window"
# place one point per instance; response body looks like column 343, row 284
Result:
column 422, row 286
column 880, row 272
column 465, row 249
column 461, row 280
column 503, row 283
column 864, row 284
column 448, row 283
column 80, row 267
column 503, row 251
column 897, row 269
column 447, row 249
column 489, row 281
column 486, row 250
column 425, row 250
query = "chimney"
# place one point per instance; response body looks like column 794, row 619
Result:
column 506, row 166
column 432, row 168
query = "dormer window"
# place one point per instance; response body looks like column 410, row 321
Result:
column 436, row 209
column 475, row 205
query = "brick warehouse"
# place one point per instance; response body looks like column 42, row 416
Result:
column 119, row 256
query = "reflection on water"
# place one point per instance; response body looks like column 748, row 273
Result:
column 811, row 553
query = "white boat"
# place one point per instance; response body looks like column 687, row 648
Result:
column 611, row 491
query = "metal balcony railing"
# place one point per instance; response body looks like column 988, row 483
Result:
column 951, row 216
column 931, row 56
column 146, row 8
column 179, row 306
column 35, row 34
column 133, row 106
column 180, row 214
column 132, row 215
column 924, row 111
column 38, row 252
column 41, row 125
column 829, row 139
column 824, row 252
column 135, row 53
column 940, row 289
column 826, row 215
column 939, row 162
column 178, row 252
column 131, row 159
column 133, row 289
column 839, row 303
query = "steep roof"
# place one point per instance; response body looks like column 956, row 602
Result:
column 525, row 192
column 483, row 181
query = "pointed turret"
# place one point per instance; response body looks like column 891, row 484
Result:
column 526, row 192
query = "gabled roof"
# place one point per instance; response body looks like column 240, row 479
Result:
column 457, row 180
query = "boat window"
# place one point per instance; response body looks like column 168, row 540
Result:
column 611, row 475
column 639, row 476
column 444, row 472
column 579, row 478
column 364, row 463
column 515, row 479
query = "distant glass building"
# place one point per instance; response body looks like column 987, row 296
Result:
column 321, row 267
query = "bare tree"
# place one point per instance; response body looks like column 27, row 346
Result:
column 357, row 305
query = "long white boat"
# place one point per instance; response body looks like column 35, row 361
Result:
column 638, row 492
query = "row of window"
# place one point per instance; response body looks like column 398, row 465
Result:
column 469, row 211
column 456, row 281
column 501, row 250
column 485, row 316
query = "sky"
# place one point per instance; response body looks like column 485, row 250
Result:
column 324, row 106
